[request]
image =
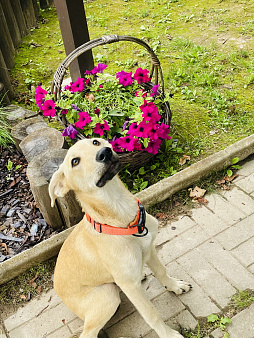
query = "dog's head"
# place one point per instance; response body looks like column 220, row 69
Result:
column 89, row 164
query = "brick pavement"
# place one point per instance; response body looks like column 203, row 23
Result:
column 213, row 249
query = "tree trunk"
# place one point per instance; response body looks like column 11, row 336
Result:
column 17, row 10
column 28, row 12
column 6, row 44
column 21, row 130
column 67, row 210
column 11, row 22
column 40, row 140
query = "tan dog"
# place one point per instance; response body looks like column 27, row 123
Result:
column 91, row 265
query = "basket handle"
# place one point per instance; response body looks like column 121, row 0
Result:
column 106, row 39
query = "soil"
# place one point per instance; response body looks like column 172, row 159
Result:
column 21, row 223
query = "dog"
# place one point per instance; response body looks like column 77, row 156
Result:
column 109, row 247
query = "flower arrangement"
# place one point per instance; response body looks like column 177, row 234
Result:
column 118, row 108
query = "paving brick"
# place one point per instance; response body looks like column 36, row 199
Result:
column 251, row 268
column 210, row 222
column 196, row 300
column 47, row 322
column 247, row 167
column 166, row 233
column 246, row 184
column 218, row 333
column 242, row 324
column 227, row 265
column 152, row 287
column 2, row 333
column 223, row 209
column 240, row 199
column 237, row 234
column 75, row 324
column 167, row 304
column 245, row 252
column 63, row 332
column 182, row 244
column 186, row 320
column 205, row 275
column 34, row 307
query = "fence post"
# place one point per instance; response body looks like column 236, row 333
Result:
column 6, row 44
column 72, row 20
column 28, row 11
column 11, row 22
column 17, row 10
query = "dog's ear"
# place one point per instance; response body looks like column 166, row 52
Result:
column 58, row 186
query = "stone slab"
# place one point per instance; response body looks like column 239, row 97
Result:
column 245, row 252
column 246, row 184
column 242, row 324
column 239, row 199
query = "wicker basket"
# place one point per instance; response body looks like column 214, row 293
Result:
column 134, row 159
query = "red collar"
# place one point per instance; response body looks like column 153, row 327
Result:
column 137, row 226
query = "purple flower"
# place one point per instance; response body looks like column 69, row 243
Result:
column 70, row 131
column 143, row 129
column 75, row 107
column 99, row 69
column 132, row 128
column 155, row 90
column 141, row 75
column 48, row 108
column 39, row 96
column 101, row 127
column 116, row 145
column 83, row 120
column 124, row 78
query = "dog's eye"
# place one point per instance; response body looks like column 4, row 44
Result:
column 75, row 161
column 96, row 143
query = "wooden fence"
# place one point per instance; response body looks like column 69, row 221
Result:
column 17, row 17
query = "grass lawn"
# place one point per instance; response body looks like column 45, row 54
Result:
column 206, row 49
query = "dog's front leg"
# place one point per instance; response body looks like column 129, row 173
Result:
column 159, row 270
column 137, row 296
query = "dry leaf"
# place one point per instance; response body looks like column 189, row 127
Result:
column 5, row 246
column 161, row 215
column 231, row 178
column 184, row 159
column 220, row 182
column 32, row 281
column 90, row 97
column 38, row 290
column 63, row 320
column 23, row 297
column 197, row 192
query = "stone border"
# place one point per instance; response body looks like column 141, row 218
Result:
column 152, row 195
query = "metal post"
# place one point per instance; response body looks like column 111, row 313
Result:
column 72, row 20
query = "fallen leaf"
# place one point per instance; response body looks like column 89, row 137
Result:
column 231, row 178
column 184, row 159
column 197, row 192
column 5, row 246
column 161, row 215
column 38, row 290
column 90, row 97
column 63, row 320
column 220, row 182
column 23, row 297
column 32, row 281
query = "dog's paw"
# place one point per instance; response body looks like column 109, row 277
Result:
column 177, row 286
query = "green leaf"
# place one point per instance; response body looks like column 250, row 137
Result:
column 236, row 167
column 225, row 320
column 212, row 318
column 229, row 173
column 235, row 160
column 143, row 185
column 141, row 171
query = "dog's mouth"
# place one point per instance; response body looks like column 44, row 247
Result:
column 110, row 170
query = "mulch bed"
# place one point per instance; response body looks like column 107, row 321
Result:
column 21, row 223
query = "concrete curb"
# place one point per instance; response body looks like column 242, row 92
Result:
column 152, row 195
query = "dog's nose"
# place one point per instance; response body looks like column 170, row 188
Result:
column 104, row 155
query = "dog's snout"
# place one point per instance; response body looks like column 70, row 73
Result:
column 104, row 155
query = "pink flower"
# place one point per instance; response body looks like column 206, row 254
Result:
column 142, row 91
column 151, row 113
column 99, row 69
column 143, row 129
column 101, row 127
column 155, row 90
column 41, row 91
column 83, row 120
column 70, row 131
column 64, row 111
column 48, row 108
column 153, row 147
column 97, row 111
column 127, row 142
column 116, row 146
column 132, row 128
column 68, row 87
column 164, row 131
column 78, row 86
column 141, row 75
column 124, row 78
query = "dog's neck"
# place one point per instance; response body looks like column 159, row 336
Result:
column 112, row 204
